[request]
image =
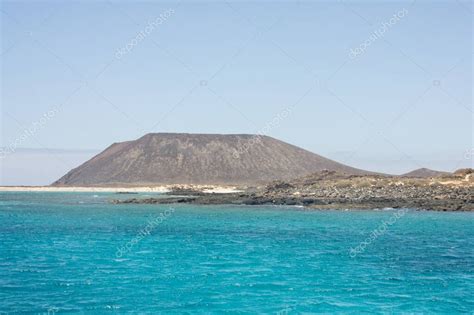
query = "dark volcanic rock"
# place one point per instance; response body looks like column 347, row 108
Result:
column 342, row 191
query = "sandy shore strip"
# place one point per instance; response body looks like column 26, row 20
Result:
column 157, row 189
column 161, row 189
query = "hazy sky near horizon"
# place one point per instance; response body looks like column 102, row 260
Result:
column 372, row 91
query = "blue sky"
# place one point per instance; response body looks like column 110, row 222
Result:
column 405, row 101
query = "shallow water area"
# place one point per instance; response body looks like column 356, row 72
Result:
column 77, row 252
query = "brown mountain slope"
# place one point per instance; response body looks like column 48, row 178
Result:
column 171, row 158
column 424, row 173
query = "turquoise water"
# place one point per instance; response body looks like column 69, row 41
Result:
column 74, row 252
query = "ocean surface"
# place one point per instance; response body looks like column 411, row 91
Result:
column 77, row 253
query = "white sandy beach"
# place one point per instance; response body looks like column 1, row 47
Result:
column 157, row 189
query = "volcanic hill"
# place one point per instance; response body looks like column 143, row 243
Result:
column 178, row 158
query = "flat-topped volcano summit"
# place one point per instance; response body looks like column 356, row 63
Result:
column 176, row 158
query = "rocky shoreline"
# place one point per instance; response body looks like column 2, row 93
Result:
column 333, row 190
